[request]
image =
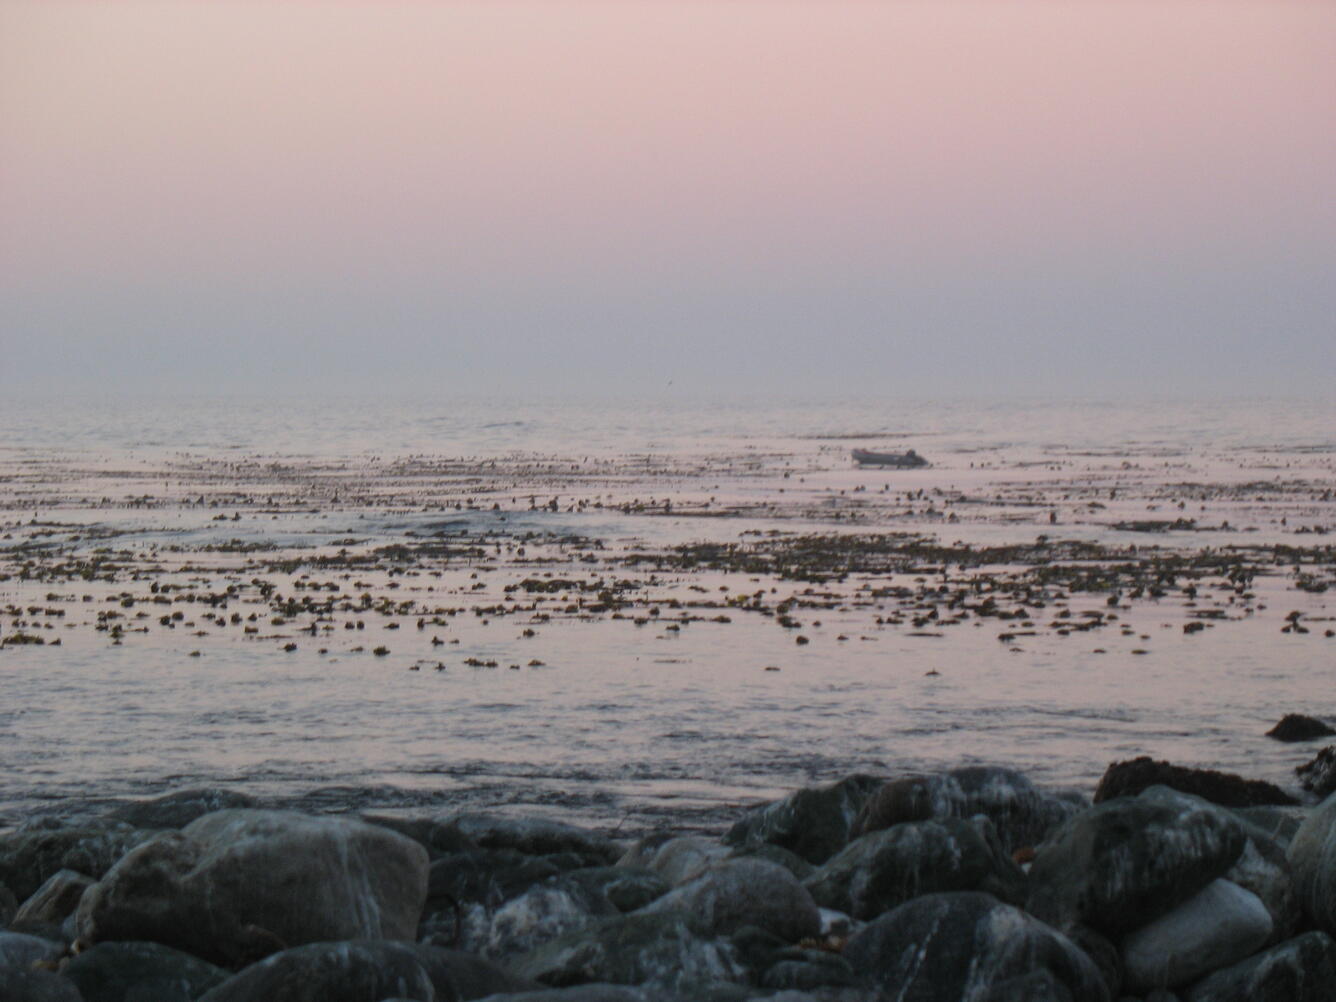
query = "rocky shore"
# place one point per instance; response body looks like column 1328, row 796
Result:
column 972, row 884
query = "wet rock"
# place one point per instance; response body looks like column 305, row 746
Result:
column 745, row 892
column 1302, row 969
column 32, row 853
column 666, row 950
column 118, row 972
column 25, row 985
column 438, row 836
column 679, row 859
column 1122, row 864
column 808, row 970
column 55, row 900
column 1280, row 823
column 240, row 884
column 813, row 823
column 1319, row 774
column 176, row 810
column 969, row 945
column 1127, row 779
column 18, row 949
column 365, row 971
column 540, row 915
column 626, row 888
column 791, row 861
column 1218, row 926
column 1312, row 856
column 1297, row 727
column 584, row 993
column 9, row 905
column 879, row 871
column 456, row 974
column 1021, row 813
column 536, row 837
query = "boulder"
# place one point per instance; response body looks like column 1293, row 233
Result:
column 365, row 971
column 19, row 984
column 814, row 822
column 467, row 976
column 625, row 888
column 1312, row 855
column 32, row 853
column 969, row 945
column 879, row 871
column 1220, row 925
column 1299, row 970
column 9, row 905
column 535, row 837
column 677, row 860
column 665, row 950
column 1318, row 775
column 583, row 993
column 118, row 972
column 1297, row 727
column 1124, row 863
column 540, row 915
column 734, row 893
column 1021, row 813
column 438, row 836
column 18, row 949
column 240, row 884
column 55, row 900
column 176, row 810
column 1129, row 778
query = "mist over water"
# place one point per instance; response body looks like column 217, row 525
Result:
column 691, row 698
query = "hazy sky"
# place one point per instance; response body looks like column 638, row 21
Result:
column 909, row 198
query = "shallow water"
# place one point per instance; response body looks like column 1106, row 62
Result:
column 114, row 516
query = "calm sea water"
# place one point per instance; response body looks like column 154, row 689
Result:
column 625, row 723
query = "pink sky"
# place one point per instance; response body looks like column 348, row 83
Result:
column 490, row 163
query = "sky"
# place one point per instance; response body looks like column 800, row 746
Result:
column 631, row 197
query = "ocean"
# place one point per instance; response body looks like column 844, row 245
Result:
column 644, row 612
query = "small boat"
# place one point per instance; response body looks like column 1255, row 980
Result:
column 907, row 460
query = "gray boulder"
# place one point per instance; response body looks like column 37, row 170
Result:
column 365, row 971
column 1121, row 864
column 1220, row 925
column 55, row 900
column 734, row 893
column 240, row 884
column 625, row 888
column 877, row 872
column 814, row 822
column 969, row 947
column 18, row 949
column 176, row 810
column 19, row 984
column 540, row 915
column 1021, row 813
column 1318, row 775
column 676, row 860
column 439, row 836
column 1302, row 969
column 665, row 950
column 32, row 853
column 1312, row 855
column 121, row 972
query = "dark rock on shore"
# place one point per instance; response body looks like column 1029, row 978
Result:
column 176, row 810
column 969, row 945
column 1299, row 970
column 241, row 884
column 536, row 837
column 1124, row 863
column 1312, row 856
column 1129, row 778
column 114, row 972
column 365, row 971
column 884, row 869
column 1298, row 727
column 745, row 892
column 27, row 985
column 54, row 901
column 19, row 949
column 814, row 822
column 1319, row 775
column 1021, row 813
column 34, row 852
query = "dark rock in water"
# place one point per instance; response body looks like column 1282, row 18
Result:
column 1312, row 856
column 24, row 985
column 1297, row 727
column 664, row 950
column 882, row 870
column 18, row 949
column 814, row 822
column 1020, row 812
column 1299, row 970
column 439, row 837
column 239, row 884
column 1123, row 863
column 536, row 837
column 115, row 972
column 969, row 945
column 364, row 971
column 176, row 810
column 745, row 892
column 1220, row 925
column 32, row 853
column 55, row 900
column 1127, row 779
column 1319, row 775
